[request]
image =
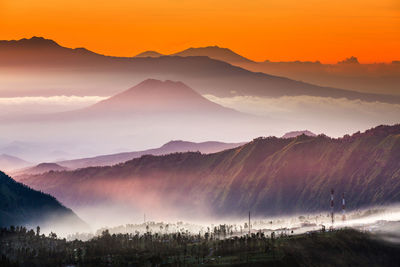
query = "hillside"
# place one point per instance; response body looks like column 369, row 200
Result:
column 170, row 147
column 20, row 205
column 269, row 175
column 82, row 72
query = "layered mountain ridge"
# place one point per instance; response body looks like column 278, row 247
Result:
column 112, row 159
column 80, row 71
column 269, row 176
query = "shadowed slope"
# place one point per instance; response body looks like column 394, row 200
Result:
column 20, row 205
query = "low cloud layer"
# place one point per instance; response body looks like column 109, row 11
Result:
column 39, row 104
column 48, row 140
column 332, row 116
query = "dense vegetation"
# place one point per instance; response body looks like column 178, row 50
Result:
column 21, row 205
column 20, row 247
column 270, row 175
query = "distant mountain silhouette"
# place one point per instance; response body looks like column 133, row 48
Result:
column 271, row 176
column 105, row 75
column 31, row 151
column 40, row 168
column 214, row 52
column 155, row 96
column 8, row 162
column 297, row 133
column 149, row 54
column 22, row 206
column 170, row 147
column 42, row 51
column 379, row 78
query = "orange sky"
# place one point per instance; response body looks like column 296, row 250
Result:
column 260, row 29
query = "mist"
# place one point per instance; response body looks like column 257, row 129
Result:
column 334, row 117
column 39, row 139
column 380, row 220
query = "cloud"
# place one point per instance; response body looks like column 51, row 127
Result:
column 332, row 116
column 39, row 104
column 53, row 100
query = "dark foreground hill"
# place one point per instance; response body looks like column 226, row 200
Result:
column 268, row 176
column 20, row 205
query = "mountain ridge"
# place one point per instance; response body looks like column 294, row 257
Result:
column 214, row 52
column 170, row 147
column 273, row 176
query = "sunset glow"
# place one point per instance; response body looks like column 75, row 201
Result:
column 275, row 30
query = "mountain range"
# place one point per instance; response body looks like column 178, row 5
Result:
column 112, row 159
column 269, row 176
column 82, row 72
column 168, row 148
column 347, row 74
column 23, row 206
column 214, row 52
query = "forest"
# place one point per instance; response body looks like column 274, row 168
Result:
column 22, row 247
